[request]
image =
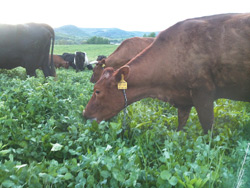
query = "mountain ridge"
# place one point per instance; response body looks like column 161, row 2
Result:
column 69, row 31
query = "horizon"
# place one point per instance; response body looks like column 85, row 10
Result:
column 101, row 28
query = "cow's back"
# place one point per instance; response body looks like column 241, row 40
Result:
column 211, row 52
column 127, row 50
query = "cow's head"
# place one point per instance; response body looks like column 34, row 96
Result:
column 79, row 61
column 97, row 71
column 100, row 57
column 90, row 67
column 107, row 100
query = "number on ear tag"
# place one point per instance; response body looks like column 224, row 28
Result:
column 122, row 84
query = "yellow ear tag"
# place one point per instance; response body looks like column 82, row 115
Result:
column 122, row 84
column 103, row 65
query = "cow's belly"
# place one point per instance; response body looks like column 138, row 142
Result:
column 233, row 84
column 175, row 97
column 234, row 93
column 10, row 62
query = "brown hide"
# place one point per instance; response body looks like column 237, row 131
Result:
column 59, row 62
column 128, row 49
column 195, row 62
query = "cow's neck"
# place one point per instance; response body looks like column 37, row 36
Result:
column 113, row 61
column 144, row 79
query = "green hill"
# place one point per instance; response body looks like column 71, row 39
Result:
column 71, row 30
column 69, row 34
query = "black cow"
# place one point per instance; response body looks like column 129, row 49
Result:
column 70, row 58
column 27, row 45
column 78, row 61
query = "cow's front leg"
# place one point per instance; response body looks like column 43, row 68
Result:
column 183, row 114
column 31, row 72
column 203, row 102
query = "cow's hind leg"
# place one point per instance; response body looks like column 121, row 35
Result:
column 46, row 70
column 203, row 102
column 183, row 114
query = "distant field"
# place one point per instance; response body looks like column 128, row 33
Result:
column 92, row 50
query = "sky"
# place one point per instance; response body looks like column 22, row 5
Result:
column 129, row 15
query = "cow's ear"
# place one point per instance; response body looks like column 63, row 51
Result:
column 123, row 70
column 102, row 63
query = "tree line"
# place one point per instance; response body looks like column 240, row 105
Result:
column 150, row 35
column 98, row 40
column 92, row 40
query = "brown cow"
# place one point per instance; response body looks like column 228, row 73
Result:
column 195, row 62
column 60, row 62
column 128, row 49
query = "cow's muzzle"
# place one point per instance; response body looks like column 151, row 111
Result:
column 84, row 115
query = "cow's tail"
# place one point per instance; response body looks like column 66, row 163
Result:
column 51, row 65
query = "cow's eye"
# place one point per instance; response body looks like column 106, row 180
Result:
column 97, row 92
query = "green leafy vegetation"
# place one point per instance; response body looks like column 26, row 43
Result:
column 45, row 141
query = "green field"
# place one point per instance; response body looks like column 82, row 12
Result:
column 92, row 50
column 45, row 141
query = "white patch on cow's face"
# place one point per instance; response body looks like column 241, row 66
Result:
column 86, row 62
column 75, row 60
column 106, row 74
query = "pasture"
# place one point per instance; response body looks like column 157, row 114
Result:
column 45, row 141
